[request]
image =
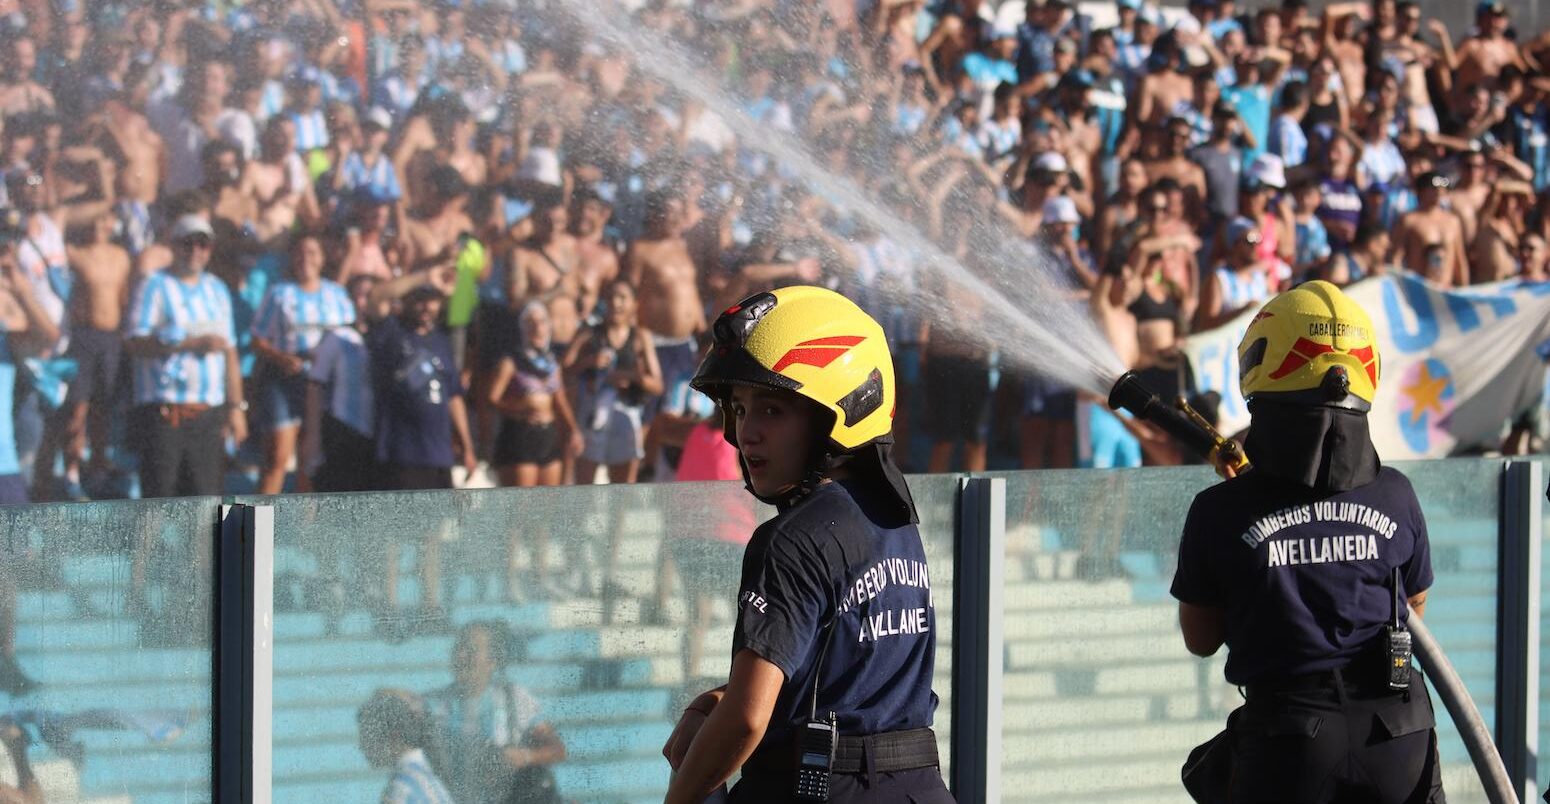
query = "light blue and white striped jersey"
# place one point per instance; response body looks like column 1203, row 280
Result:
column 341, row 365
column 380, row 176
column 414, row 782
column 1242, row 290
column 311, row 130
column 340, row 88
column 272, row 101
column 294, row 321
column 173, row 311
column 396, row 94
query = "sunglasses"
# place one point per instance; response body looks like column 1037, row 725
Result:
column 198, row 241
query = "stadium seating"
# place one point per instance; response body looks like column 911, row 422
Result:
column 1101, row 700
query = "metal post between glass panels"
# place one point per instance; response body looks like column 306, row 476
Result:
column 1517, row 624
column 243, row 655
column 978, row 658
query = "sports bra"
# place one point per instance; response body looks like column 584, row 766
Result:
column 1147, row 308
column 537, row 373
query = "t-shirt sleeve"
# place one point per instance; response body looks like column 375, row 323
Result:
column 782, row 599
column 1417, row 572
column 345, row 306
column 1194, row 581
column 146, row 311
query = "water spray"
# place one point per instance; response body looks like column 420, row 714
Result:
column 1180, row 421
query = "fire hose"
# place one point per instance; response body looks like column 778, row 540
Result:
column 1195, row 433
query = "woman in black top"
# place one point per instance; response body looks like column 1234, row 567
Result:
column 614, row 370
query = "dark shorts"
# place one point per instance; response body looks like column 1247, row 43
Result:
column 415, row 478
column 97, row 355
column 958, row 396
column 278, row 401
column 525, row 442
column 1048, row 399
column 919, row 786
column 349, row 459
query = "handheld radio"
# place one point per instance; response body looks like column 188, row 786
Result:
column 817, row 742
column 1397, row 640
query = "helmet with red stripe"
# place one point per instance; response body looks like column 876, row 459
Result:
column 1311, row 345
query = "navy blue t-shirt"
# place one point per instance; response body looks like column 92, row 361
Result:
column 1304, row 577
column 821, row 557
column 414, row 377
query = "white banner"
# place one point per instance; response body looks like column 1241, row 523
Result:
column 1457, row 364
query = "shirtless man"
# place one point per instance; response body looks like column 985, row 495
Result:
column 1482, row 56
column 1173, row 162
column 1338, row 24
column 1163, row 88
column 545, row 269
column 1431, row 238
column 599, row 263
column 659, row 267
column 431, row 233
column 141, row 157
column 434, row 236
column 367, row 253
column 18, row 92
column 279, row 184
column 1419, row 60
column 96, row 308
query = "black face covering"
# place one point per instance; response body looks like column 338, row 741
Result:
column 1324, row 448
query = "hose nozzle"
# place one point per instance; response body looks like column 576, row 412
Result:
column 1178, row 420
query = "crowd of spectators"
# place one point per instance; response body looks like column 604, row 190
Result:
column 390, row 238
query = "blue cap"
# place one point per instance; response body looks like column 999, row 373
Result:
column 1133, row 5
column 1239, row 227
column 1490, row 7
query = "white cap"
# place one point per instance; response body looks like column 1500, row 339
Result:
column 1052, row 161
column 1061, row 209
column 192, row 225
column 541, row 165
column 1187, row 24
column 1267, row 169
column 380, row 117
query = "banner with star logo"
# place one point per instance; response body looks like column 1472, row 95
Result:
column 1458, row 365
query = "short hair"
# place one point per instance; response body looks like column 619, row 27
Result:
column 395, row 714
column 1294, row 94
column 448, row 182
column 1366, row 233
column 503, row 641
column 657, row 202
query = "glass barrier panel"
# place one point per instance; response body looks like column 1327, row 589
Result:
column 109, row 675
column 1461, row 501
column 1103, row 702
column 1544, row 637
column 587, row 616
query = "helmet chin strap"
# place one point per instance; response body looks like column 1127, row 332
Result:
column 817, row 472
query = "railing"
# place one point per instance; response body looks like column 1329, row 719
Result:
column 1051, row 589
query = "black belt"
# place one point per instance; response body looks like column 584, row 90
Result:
column 871, row 753
column 1364, row 673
